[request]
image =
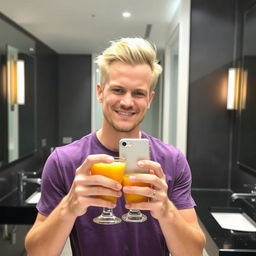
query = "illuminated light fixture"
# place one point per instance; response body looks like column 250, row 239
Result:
column 13, row 83
column 126, row 14
column 233, row 88
column 20, row 82
column 17, row 83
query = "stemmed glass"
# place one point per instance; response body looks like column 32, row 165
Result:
column 115, row 171
column 134, row 215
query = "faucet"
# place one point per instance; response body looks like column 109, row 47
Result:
column 23, row 179
column 251, row 195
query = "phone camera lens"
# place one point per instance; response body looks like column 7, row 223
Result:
column 124, row 143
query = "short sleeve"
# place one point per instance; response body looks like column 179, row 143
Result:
column 52, row 187
column 181, row 192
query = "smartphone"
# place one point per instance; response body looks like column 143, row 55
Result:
column 133, row 150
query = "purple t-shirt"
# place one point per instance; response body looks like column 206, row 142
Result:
column 124, row 239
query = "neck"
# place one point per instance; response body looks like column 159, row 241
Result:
column 110, row 139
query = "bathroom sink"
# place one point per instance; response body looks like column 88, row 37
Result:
column 34, row 198
column 233, row 219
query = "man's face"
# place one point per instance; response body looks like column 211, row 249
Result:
column 126, row 96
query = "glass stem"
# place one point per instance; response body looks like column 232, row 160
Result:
column 107, row 212
column 134, row 212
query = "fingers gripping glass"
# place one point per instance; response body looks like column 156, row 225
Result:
column 134, row 215
column 115, row 171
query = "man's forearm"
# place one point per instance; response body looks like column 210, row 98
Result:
column 48, row 237
column 182, row 236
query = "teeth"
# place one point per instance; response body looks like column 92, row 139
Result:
column 124, row 113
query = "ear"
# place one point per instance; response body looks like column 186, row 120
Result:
column 151, row 97
column 99, row 91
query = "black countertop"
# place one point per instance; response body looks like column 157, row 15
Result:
column 14, row 210
column 228, row 242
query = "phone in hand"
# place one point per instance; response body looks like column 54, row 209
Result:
column 133, row 150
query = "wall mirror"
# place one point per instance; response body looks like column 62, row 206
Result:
column 247, row 117
column 21, row 137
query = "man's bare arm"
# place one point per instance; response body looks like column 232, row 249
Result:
column 49, row 234
column 180, row 228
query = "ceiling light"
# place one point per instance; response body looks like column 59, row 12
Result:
column 126, row 14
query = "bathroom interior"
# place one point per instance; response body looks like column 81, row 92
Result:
column 206, row 48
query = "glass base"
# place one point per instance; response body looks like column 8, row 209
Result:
column 107, row 218
column 134, row 216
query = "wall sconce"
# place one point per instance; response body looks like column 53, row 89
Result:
column 233, row 88
column 237, row 88
column 20, row 82
column 17, row 82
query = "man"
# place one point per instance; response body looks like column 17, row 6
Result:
column 129, row 73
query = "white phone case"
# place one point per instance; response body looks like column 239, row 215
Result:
column 133, row 150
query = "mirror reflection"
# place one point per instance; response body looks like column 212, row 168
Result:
column 21, row 104
column 247, row 132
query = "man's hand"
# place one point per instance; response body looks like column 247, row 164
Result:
column 159, row 202
column 86, row 187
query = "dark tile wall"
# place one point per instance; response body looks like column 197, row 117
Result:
column 63, row 107
column 47, row 122
column 216, row 45
column 209, row 123
column 63, row 88
column 241, row 177
column 46, row 98
column 74, row 98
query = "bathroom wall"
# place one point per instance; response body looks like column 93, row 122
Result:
column 63, row 101
column 47, row 122
column 209, row 123
column 216, row 44
column 240, row 178
column 46, row 98
column 74, row 97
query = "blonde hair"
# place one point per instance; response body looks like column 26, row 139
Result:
column 130, row 51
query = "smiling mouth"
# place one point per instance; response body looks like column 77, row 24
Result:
column 126, row 114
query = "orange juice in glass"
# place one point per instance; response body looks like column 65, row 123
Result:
column 115, row 171
column 134, row 215
column 133, row 198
